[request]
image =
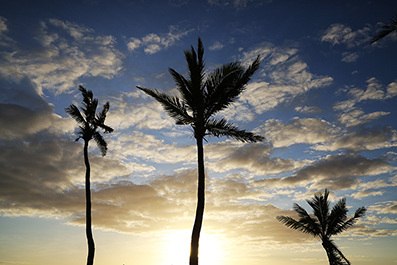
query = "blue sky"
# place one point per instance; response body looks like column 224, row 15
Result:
column 323, row 98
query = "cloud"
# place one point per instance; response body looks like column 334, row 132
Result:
column 23, row 113
column 353, row 116
column 308, row 109
column 342, row 34
column 66, row 52
column 307, row 131
column 283, row 76
column 237, row 3
column 148, row 148
column 154, row 43
column 252, row 157
column 358, row 117
column 349, row 57
column 335, row 172
column 128, row 111
column 363, row 139
column 384, row 207
column 216, row 46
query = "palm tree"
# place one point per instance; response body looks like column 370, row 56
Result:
column 201, row 98
column 388, row 28
column 323, row 224
column 88, row 129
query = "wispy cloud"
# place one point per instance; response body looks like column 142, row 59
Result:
column 153, row 43
column 216, row 46
column 283, row 76
column 342, row 34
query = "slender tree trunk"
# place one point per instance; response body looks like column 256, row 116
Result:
column 194, row 248
column 88, row 223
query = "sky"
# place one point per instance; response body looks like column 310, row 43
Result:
column 323, row 98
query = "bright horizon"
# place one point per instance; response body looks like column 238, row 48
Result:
column 323, row 98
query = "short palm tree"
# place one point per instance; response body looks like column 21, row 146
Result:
column 201, row 98
column 387, row 29
column 90, row 122
column 324, row 224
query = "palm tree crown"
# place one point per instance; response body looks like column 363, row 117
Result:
column 90, row 121
column 202, row 98
column 324, row 223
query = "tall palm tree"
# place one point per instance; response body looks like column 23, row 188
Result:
column 90, row 122
column 201, row 98
column 387, row 29
column 323, row 224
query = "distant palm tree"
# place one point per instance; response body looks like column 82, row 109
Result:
column 201, row 98
column 323, row 224
column 388, row 28
column 88, row 129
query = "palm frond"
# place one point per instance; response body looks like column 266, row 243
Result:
column 320, row 206
column 311, row 223
column 196, row 65
column 102, row 115
column 337, row 217
column 360, row 212
column 221, row 89
column 221, row 127
column 184, row 87
column 101, row 143
column 296, row 225
column 387, row 29
column 75, row 113
column 171, row 104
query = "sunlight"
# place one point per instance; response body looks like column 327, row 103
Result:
column 177, row 248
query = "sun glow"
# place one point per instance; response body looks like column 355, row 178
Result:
column 177, row 248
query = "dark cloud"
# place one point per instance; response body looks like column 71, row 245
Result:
column 339, row 171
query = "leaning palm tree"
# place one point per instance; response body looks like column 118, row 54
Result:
column 323, row 224
column 387, row 29
column 203, row 96
column 90, row 122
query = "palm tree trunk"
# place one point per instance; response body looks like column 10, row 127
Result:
column 88, row 230
column 328, row 250
column 194, row 248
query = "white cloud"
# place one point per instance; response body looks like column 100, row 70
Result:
column 282, row 77
column 358, row 117
column 353, row 116
column 154, row 43
column 308, row 109
column 68, row 51
column 341, row 34
column 307, row 131
column 216, row 46
column 349, row 57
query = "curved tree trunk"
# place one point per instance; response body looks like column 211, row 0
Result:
column 88, row 230
column 194, row 247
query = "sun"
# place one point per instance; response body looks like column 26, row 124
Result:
column 177, row 248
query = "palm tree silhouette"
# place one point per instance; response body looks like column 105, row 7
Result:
column 388, row 28
column 201, row 98
column 88, row 129
column 323, row 224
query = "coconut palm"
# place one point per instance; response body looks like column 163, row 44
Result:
column 201, row 97
column 90, row 122
column 324, row 224
column 387, row 29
